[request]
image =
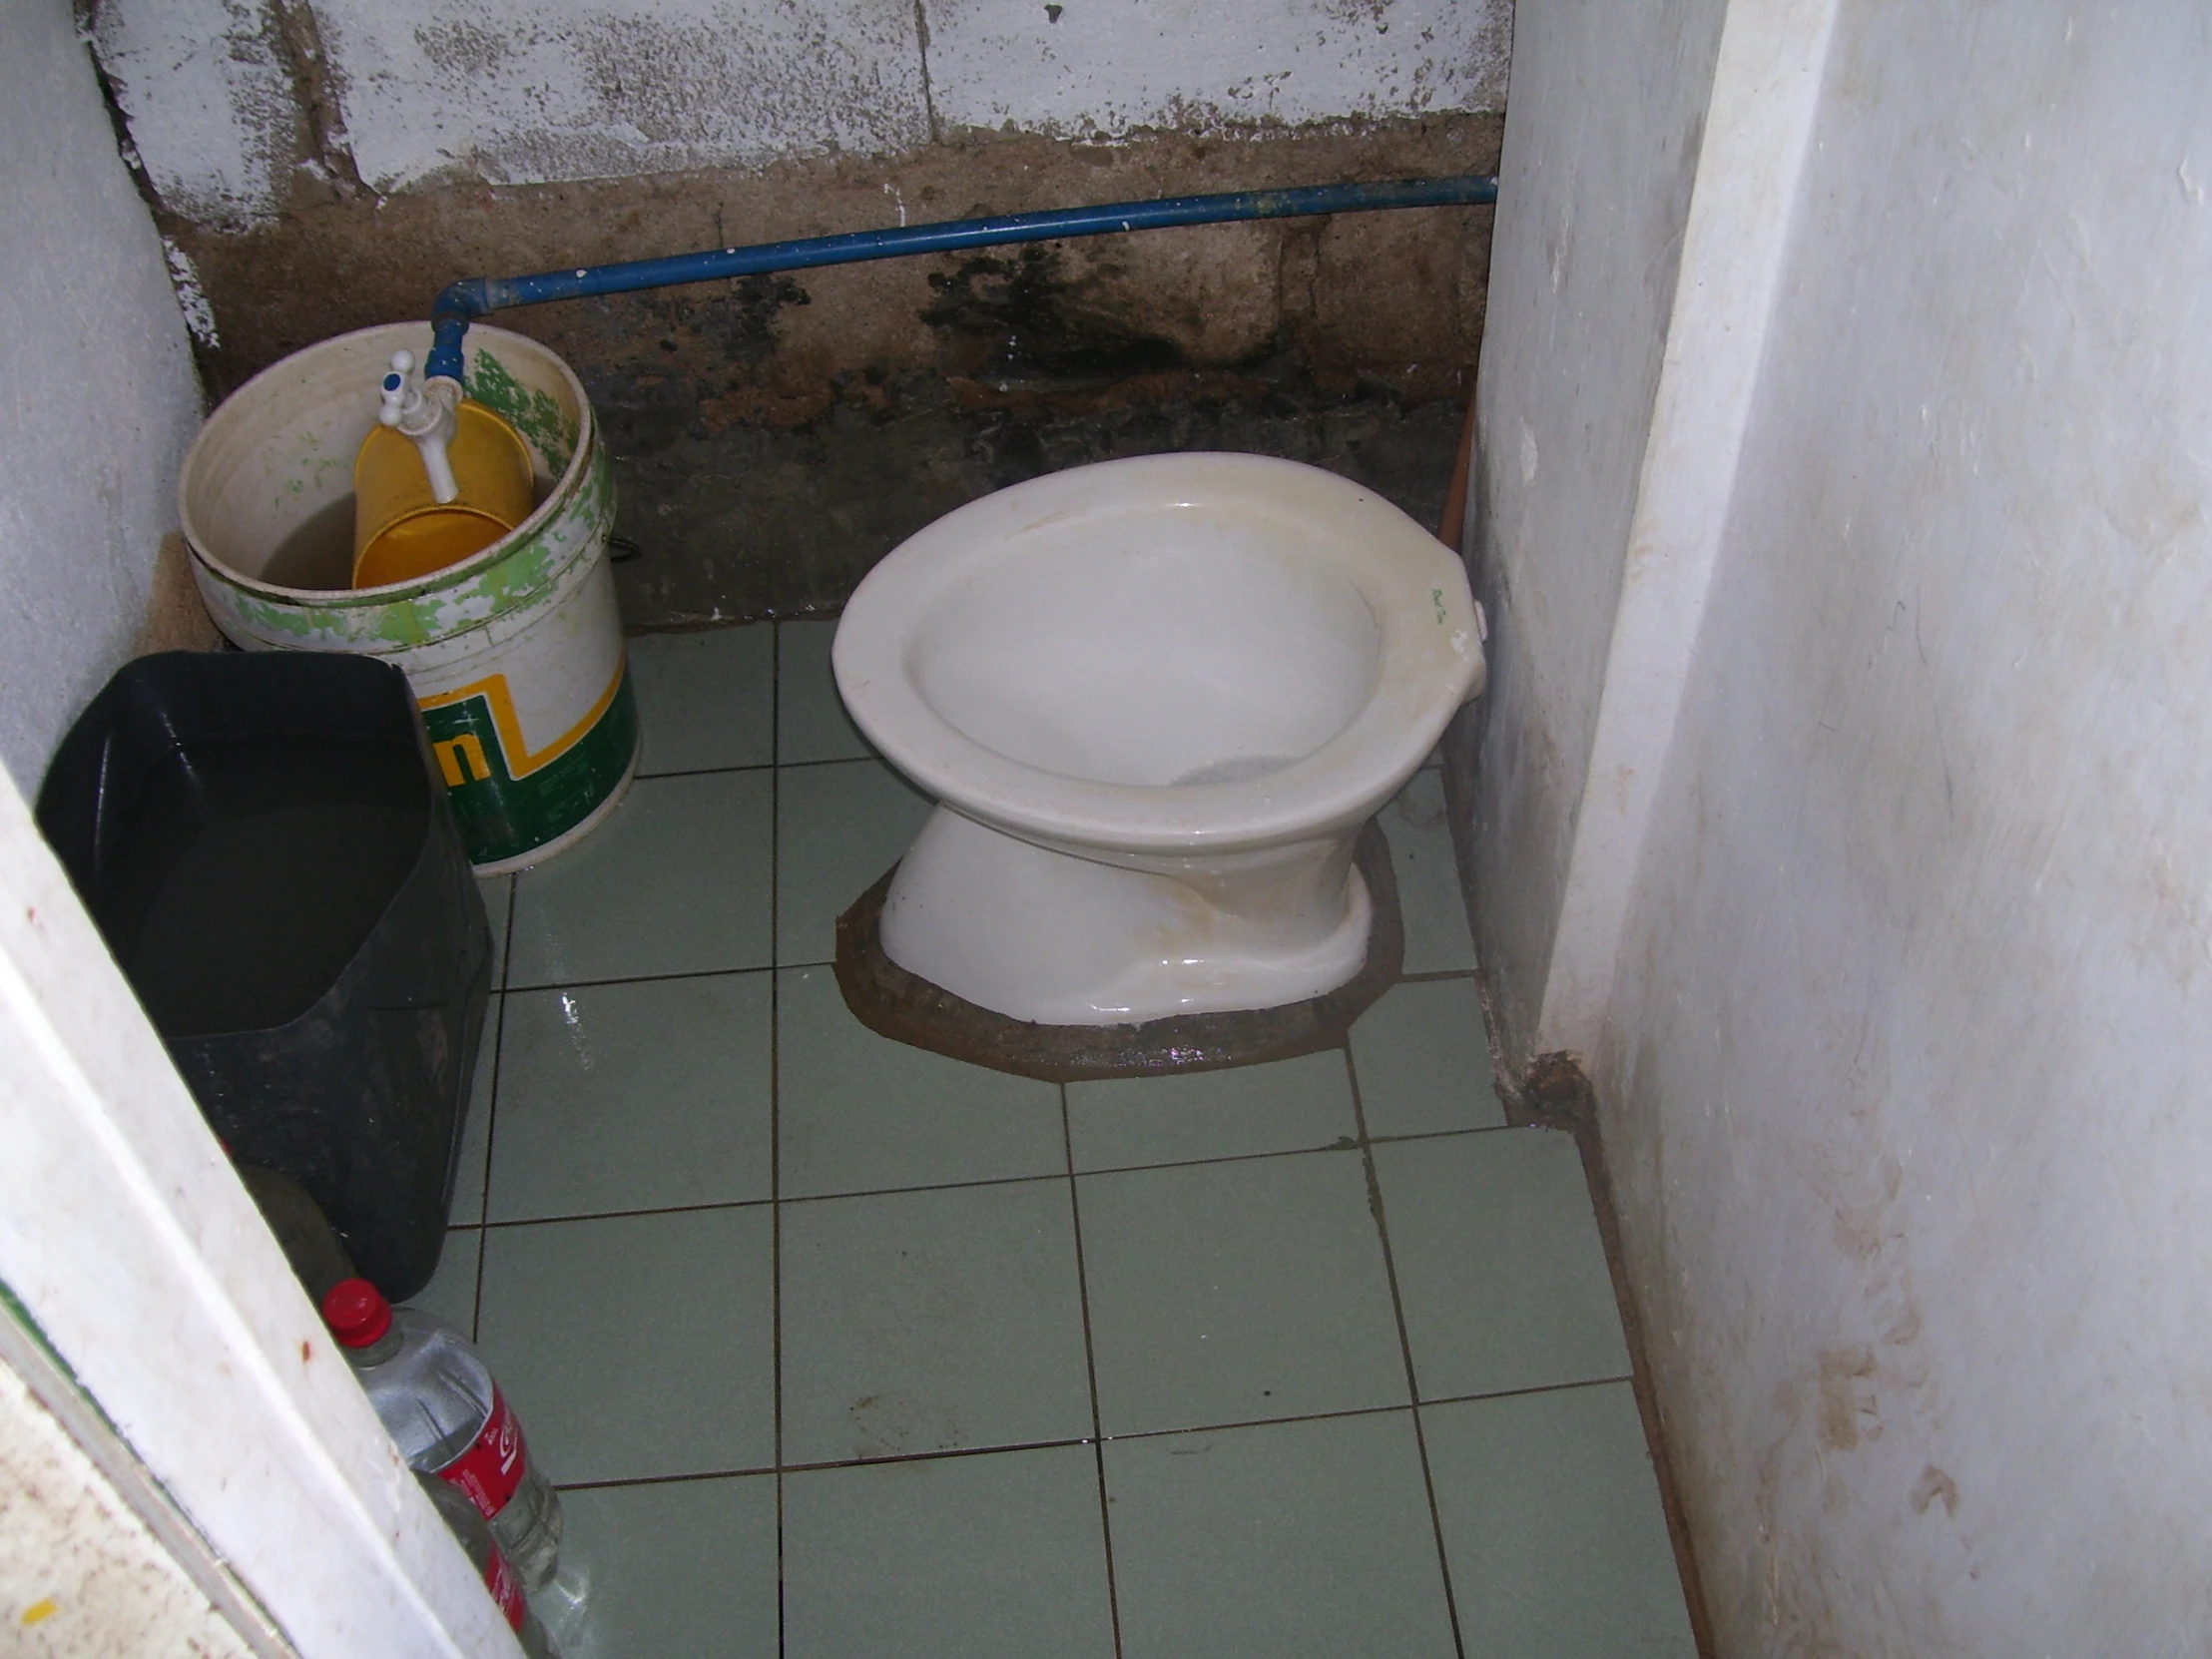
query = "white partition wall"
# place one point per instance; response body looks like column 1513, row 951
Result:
column 97, row 393
column 1868, row 866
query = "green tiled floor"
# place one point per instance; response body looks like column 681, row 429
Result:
column 840, row 1348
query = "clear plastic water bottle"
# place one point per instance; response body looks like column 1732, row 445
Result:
column 482, row 1550
column 437, row 1400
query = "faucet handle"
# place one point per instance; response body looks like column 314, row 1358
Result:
column 396, row 390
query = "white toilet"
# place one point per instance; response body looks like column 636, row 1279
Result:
column 1155, row 700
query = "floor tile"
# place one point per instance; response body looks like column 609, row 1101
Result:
column 468, row 1175
column 687, row 1567
column 705, row 699
column 1498, row 1261
column 810, row 722
column 676, row 882
column 1295, row 1540
column 639, row 1096
column 498, row 892
column 1428, row 892
column 837, row 828
column 1229, row 1293
column 1551, row 1521
column 1289, row 1106
column 1425, row 1062
column 862, row 1113
column 948, row 1558
column 638, row 1345
column 451, row 1293
column 925, row 1322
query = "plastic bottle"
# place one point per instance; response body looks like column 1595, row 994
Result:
column 439, row 1403
column 482, row 1550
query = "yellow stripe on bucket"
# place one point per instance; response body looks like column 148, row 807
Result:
column 521, row 761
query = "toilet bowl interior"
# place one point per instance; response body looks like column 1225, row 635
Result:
column 1152, row 644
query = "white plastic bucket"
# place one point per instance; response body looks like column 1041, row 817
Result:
column 515, row 654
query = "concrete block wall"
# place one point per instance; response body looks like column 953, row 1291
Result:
column 324, row 165
column 228, row 99
column 331, row 163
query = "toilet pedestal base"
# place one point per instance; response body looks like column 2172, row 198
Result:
column 901, row 1006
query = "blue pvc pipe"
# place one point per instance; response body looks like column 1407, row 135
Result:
column 475, row 297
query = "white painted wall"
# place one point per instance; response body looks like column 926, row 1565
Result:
column 1601, row 150
column 532, row 91
column 1902, row 1040
column 97, row 393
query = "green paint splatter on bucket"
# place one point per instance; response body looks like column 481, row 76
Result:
column 446, row 603
column 537, row 416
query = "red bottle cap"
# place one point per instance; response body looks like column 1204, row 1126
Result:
column 356, row 1311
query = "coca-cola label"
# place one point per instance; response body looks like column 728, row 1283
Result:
column 491, row 1469
column 506, row 1589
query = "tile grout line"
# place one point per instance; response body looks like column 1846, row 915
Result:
column 497, row 1022
column 748, row 1472
column 491, row 1105
column 775, row 1101
column 649, row 978
column 1364, row 1411
column 1090, row 1371
column 986, row 1181
column 1406, row 1352
column 759, row 765
column 1010, row 1446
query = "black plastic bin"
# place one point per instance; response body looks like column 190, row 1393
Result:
column 264, row 847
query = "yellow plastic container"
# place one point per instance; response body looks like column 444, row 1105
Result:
column 401, row 531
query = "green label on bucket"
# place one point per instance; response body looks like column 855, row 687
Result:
column 509, row 799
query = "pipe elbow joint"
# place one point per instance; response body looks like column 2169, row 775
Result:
column 451, row 314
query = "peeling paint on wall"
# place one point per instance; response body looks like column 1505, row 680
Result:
column 192, row 298
column 209, row 101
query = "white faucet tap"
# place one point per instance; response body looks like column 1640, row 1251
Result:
column 426, row 414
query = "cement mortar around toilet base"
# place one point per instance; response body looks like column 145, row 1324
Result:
column 908, row 1008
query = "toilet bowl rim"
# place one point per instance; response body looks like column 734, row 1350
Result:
column 1429, row 660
